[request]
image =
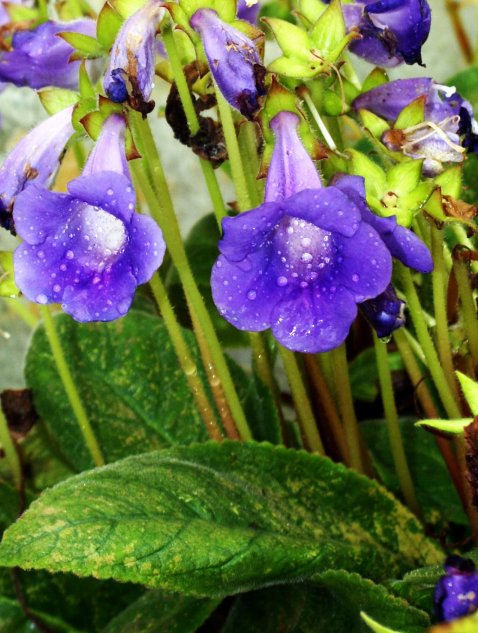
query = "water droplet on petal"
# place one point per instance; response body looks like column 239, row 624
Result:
column 282, row 281
column 69, row 254
column 355, row 277
column 41, row 298
column 251, row 295
column 110, row 192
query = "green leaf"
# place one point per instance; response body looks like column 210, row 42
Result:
column 470, row 391
column 364, row 374
column 376, row 626
column 9, row 505
column 470, row 181
column 436, row 494
column 14, row 620
column 86, row 47
column 330, row 602
column 466, row 83
column 56, row 99
column 214, row 519
column 130, row 383
column 160, row 612
column 456, row 427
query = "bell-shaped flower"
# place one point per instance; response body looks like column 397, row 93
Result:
column 40, row 57
column 384, row 312
column 130, row 73
column 392, row 31
column 87, row 249
column 302, row 261
column 33, row 160
column 456, row 593
column 448, row 128
column 234, row 62
column 248, row 10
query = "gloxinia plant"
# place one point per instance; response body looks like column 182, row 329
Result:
column 234, row 62
column 40, row 57
column 456, row 593
column 130, row 73
column 392, row 31
column 87, row 249
column 448, row 128
column 34, row 160
column 299, row 263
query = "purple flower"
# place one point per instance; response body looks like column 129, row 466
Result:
column 393, row 31
column 233, row 60
column 40, row 57
column 384, row 312
column 130, row 73
column 247, row 11
column 33, row 160
column 456, row 593
column 448, row 130
column 302, row 261
column 87, row 249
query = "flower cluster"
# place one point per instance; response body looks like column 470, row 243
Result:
column 456, row 593
column 301, row 262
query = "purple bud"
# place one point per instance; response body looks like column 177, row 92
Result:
column 87, row 249
column 456, row 593
column 384, row 312
column 447, row 131
column 130, row 73
column 291, row 169
column 34, row 159
column 233, row 60
column 40, row 57
column 248, row 11
column 393, row 31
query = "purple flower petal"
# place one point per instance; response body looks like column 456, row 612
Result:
column 146, row 241
column 246, row 12
column 456, row 593
column 314, row 321
column 389, row 99
column 109, row 153
column 291, row 169
column 34, row 159
column 233, row 60
column 109, row 190
column 130, row 73
column 384, row 312
column 40, row 57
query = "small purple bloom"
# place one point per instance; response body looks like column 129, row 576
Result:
column 33, row 160
column 384, row 312
column 233, row 60
column 87, row 249
column 393, row 31
column 456, row 593
column 302, row 261
column 130, row 73
column 40, row 57
column 448, row 130
column 248, row 11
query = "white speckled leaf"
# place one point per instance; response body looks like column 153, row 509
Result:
column 215, row 519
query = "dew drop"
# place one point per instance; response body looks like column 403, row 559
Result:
column 69, row 254
column 41, row 298
column 282, row 281
column 251, row 295
column 110, row 192
column 306, row 257
column 306, row 241
column 355, row 277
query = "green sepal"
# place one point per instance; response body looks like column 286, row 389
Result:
column 329, row 32
column 107, row 26
column 86, row 47
column 405, row 177
column 126, row 8
column 279, row 99
column 332, row 104
column 449, row 181
column 87, row 90
column 376, row 626
column 377, row 77
column 56, row 99
column 411, row 203
column 19, row 13
column 374, row 176
column 8, row 287
column 456, row 427
column 296, row 69
column 412, row 115
column 226, row 9
column 374, row 124
column 293, row 41
column 470, row 391
column 93, row 120
column 310, row 10
column 82, row 108
column 434, row 206
column 468, row 624
column 439, row 204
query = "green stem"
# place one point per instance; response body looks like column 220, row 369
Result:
column 20, row 309
column 468, row 307
column 10, row 451
column 301, row 401
column 426, row 343
column 346, row 407
column 161, row 207
column 248, row 149
column 393, row 428
column 186, row 361
column 192, row 119
column 237, row 168
column 70, row 388
column 439, row 302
